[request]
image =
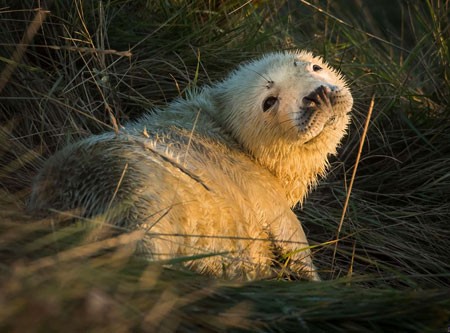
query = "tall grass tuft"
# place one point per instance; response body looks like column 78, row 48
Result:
column 76, row 68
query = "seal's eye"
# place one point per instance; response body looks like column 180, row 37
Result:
column 316, row 68
column 269, row 102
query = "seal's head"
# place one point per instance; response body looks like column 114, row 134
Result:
column 289, row 111
column 289, row 96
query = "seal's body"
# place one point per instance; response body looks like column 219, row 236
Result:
column 215, row 173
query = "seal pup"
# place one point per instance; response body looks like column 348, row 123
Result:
column 214, row 175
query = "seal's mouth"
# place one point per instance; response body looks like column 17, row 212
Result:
column 317, row 111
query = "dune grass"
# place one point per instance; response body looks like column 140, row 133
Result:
column 82, row 67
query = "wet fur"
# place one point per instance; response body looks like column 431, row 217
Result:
column 212, row 173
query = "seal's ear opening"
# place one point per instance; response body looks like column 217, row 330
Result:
column 269, row 103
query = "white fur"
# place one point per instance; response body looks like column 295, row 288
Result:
column 212, row 173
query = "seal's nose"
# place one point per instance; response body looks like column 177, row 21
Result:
column 320, row 96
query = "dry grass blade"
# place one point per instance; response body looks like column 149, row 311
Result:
column 355, row 168
column 21, row 48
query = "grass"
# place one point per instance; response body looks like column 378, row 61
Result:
column 86, row 67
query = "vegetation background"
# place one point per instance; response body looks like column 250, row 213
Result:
column 72, row 68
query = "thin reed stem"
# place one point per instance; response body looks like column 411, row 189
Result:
column 350, row 187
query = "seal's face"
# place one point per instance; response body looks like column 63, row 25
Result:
column 292, row 96
column 304, row 96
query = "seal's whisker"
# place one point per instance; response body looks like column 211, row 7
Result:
column 267, row 79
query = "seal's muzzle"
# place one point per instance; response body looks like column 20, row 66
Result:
column 317, row 110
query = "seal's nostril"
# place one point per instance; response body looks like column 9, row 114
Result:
column 322, row 95
column 311, row 98
column 326, row 89
column 322, row 90
column 334, row 88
